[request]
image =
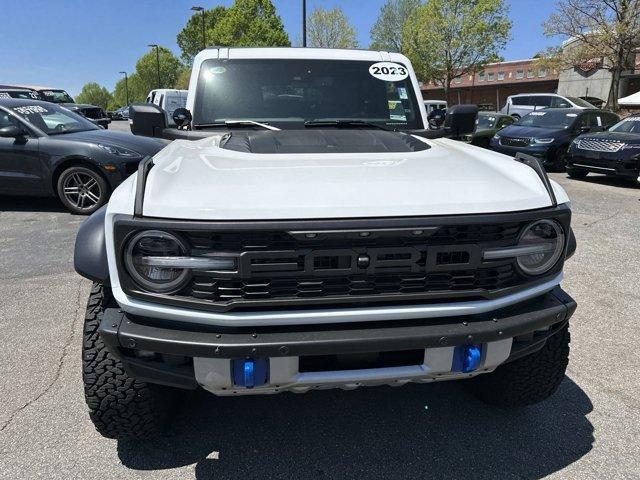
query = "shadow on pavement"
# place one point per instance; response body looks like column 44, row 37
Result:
column 416, row 431
column 30, row 204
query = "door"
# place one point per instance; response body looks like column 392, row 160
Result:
column 20, row 169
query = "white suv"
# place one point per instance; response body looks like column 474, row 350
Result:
column 519, row 105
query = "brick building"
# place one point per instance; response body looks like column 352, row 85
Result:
column 491, row 86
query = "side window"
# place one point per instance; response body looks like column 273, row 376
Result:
column 161, row 101
column 609, row 120
column 542, row 101
column 559, row 102
column 7, row 120
column 505, row 121
column 584, row 120
column 521, row 100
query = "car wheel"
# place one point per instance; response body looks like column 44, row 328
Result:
column 82, row 190
column 560, row 160
column 577, row 172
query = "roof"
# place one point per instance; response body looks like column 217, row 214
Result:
column 21, row 102
column 632, row 100
column 37, row 87
column 296, row 53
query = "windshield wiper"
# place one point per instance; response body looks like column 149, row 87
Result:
column 237, row 123
column 345, row 123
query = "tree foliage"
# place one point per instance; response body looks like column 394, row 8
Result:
column 95, row 94
column 386, row 33
column 604, row 31
column 147, row 69
column 137, row 91
column 330, row 29
column 446, row 39
column 247, row 23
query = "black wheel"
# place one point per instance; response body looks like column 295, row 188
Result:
column 577, row 172
column 560, row 160
column 82, row 190
column 527, row 380
column 119, row 406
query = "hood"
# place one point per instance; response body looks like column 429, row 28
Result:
column 626, row 137
column 524, row 131
column 143, row 145
column 198, row 180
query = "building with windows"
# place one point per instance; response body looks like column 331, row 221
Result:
column 490, row 87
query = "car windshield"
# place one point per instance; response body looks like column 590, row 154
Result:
column 28, row 94
column 580, row 102
column 286, row 93
column 548, row 119
column 56, row 96
column 628, row 125
column 485, row 122
column 53, row 120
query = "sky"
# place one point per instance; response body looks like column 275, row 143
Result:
column 67, row 43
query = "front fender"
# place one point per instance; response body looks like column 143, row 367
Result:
column 90, row 253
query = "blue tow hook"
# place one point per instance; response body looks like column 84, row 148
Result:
column 466, row 358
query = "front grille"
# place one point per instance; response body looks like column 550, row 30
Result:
column 599, row 145
column 94, row 113
column 515, row 141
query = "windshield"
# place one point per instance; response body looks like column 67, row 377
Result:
column 28, row 94
column 53, row 120
column 548, row 119
column 286, row 93
column 628, row 125
column 56, row 96
column 485, row 122
column 580, row 102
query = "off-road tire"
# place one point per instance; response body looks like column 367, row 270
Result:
column 120, row 406
column 527, row 380
column 577, row 172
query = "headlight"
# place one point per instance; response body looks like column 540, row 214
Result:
column 119, row 151
column 539, row 247
column 631, row 147
column 542, row 140
column 545, row 239
column 159, row 261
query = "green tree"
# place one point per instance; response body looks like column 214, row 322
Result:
column 190, row 37
column 182, row 83
column 330, row 29
column 147, row 69
column 446, row 39
column 599, row 31
column 137, row 91
column 247, row 23
column 386, row 33
column 94, row 94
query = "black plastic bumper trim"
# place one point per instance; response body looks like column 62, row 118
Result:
column 119, row 331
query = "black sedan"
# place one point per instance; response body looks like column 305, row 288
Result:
column 46, row 150
column 547, row 133
column 614, row 152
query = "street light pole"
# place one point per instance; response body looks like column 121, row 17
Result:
column 126, row 86
column 304, row 23
column 153, row 45
column 204, row 34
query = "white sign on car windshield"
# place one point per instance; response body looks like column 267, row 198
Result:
column 388, row 71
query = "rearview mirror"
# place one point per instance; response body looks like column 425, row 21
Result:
column 460, row 119
column 182, row 117
column 147, row 120
column 11, row 131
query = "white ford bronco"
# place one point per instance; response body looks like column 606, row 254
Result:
column 305, row 230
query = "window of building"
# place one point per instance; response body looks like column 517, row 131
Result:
column 530, row 74
column 542, row 72
column 481, row 77
column 519, row 73
column 491, row 76
column 500, row 75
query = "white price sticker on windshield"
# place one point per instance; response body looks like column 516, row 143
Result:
column 4, row 95
column 388, row 71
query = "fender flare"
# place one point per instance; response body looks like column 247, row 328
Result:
column 90, row 252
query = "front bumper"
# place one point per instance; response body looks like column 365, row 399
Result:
column 610, row 163
column 189, row 355
column 546, row 153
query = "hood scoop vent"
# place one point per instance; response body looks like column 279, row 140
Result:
column 323, row 141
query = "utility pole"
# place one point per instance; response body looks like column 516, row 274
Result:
column 153, row 45
column 126, row 85
column 204, row 33
column 304, row 23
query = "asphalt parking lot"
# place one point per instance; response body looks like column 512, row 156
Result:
column 588, row 429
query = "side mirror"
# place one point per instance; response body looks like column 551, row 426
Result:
column 147, row 120
column 460, row 119
column 11, row 131
column 182, row 116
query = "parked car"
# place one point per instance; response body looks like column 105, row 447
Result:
column 7, row 91
column 519, row 105
column 55, row 95
column 48, row 150
column 613, row 152
column 311, row 240
column 169, row 100
column 547, row 134
column 487, row 125
column 431, row 105
column 595, row 101
column 121, row 113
